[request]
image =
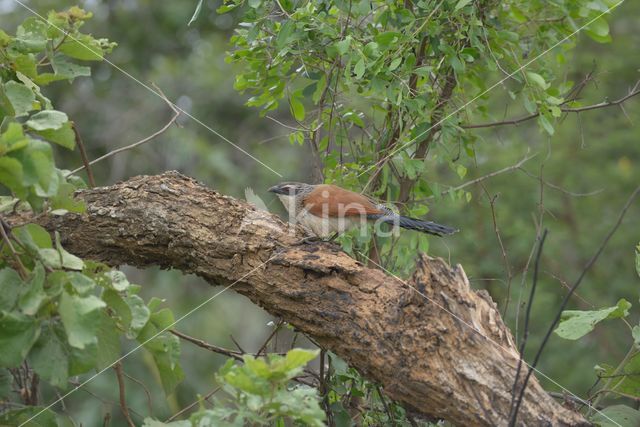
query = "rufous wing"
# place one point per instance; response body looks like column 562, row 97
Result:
column 333, row 201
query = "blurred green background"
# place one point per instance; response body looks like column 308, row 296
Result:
column 583, row 175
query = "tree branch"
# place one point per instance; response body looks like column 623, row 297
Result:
column 417, row 345
column 604, row 104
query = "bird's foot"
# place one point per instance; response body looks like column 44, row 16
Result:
column 315, row 240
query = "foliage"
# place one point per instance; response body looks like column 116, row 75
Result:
column 261, row 394
column 619, row 381
column 372, row 84
column 59, row 315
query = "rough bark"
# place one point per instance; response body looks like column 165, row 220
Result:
column 400, row 334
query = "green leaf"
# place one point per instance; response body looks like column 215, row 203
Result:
column 359, row 69
column 546, row 124
column 196, row 13
column 118, row 280
column 575, row 323
column 80, row 282
column 298, row 358
column 85, row 48
column 13, row 138
column 18, row 333
column 343, row 45
column 285, row 35
column 47, row 119
column 11, row 175
column 10, row 287
column 297, row 108
column 64, row 198
column 81, row 317
column 165, row 349
column 616, row 416
column 108, row 341
column 537, row 79
column 38, row 168
column 598, row 30
column 69, row 261
column 638, row 259
column 31, row 36
column 50, row 360
column 635, row 333
column 21, row 97
column 395, row 63
column 19, row 417
column 461, row 4
column 33, row 236
column 140, row 315
column 33, row 296
column 63, row 136
column 82, row 360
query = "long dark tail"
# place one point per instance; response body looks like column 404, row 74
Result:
column 416, row 224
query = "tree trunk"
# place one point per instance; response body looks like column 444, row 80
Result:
column 436, row 346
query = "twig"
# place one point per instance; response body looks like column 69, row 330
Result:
column 83, row 155
column 558, row 188
column 606, row 387
column 505, row 258
column 633, row 92
column 386, row 407
column 629, row 396
column 191, row 405
column 176, row 114
column 275, row 330
column 121, row 390
column 484, row 177
column 283, row 9
column 5, row 237
column 211, row 347
column 536, row 268
column 237, row 355
column 146, row 391
column 237, row 344
column 567, row 297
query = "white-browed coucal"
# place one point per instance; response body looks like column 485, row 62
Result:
column 328, row 209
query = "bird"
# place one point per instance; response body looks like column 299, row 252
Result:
column 327, row 210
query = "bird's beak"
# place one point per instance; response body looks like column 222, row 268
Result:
column 275, row 189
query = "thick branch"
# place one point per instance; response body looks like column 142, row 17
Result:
column 436, row 346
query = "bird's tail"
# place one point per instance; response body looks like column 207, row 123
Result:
column 417, row 224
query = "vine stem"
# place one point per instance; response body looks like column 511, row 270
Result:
column 632, row 352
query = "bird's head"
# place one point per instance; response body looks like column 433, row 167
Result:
column 291, row 188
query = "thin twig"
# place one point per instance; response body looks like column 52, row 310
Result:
column 505, row 258
column 237, row 344
column 633, row 92
column 275, row 330
column 173, row 119
column 607, row 386
column 536, row 269
column 121, row 390
column 146, row 391
column 5, row 237
column 484, row 177
column 83, row 155
column 385, row 406
column 211, row 347
column 558, row 188
column 237, row 355
column 567, row 297
column 191, row 405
